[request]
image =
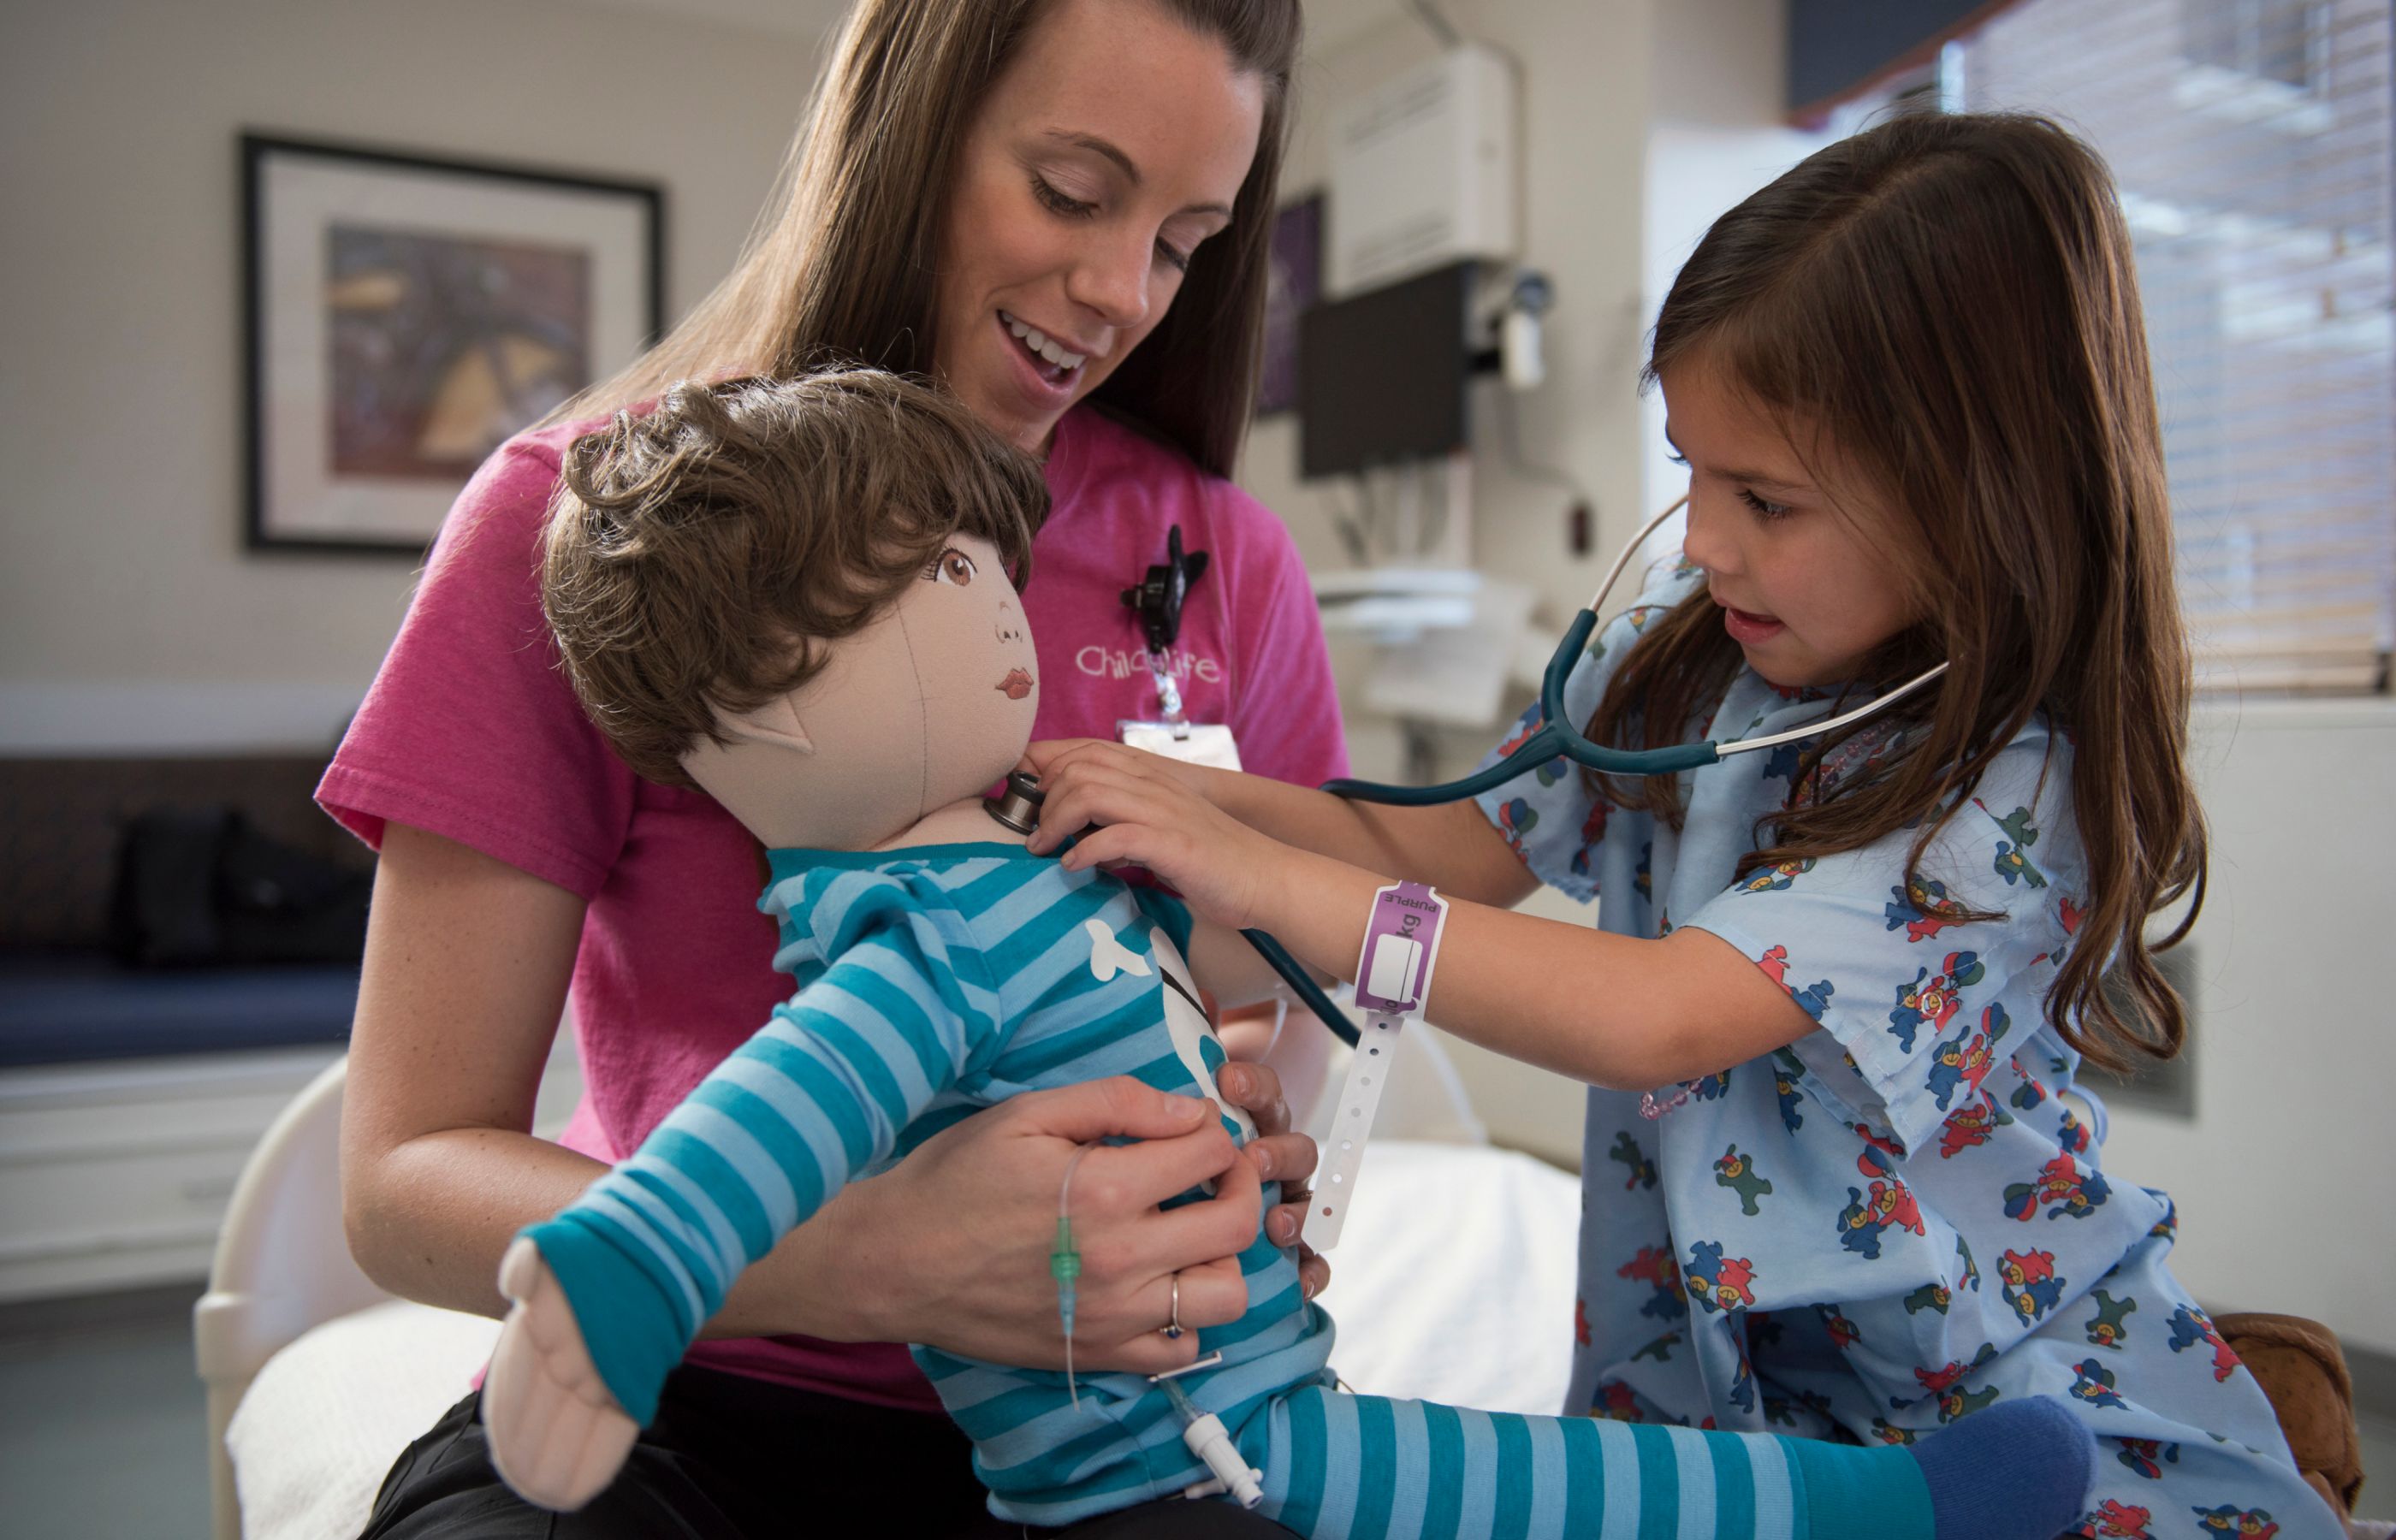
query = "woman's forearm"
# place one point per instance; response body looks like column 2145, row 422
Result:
column 429, row 1218
column 442, row 1208
column 465, row 978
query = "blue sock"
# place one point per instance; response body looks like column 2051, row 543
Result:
column 2018, row 1470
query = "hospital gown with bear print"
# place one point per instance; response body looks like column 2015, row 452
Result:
column 1898, row 1218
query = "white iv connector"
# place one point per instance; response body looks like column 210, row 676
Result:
column 1209, row 1441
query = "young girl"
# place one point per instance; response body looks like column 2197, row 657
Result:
column 1849, row 990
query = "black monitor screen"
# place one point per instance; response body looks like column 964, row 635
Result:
column 1381, row 376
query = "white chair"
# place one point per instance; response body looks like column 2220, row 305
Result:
column 275, row 1274
column 288, row 1312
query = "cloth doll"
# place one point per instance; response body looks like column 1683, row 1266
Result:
column 799, row 595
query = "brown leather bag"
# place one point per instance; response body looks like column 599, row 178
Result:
column 2303, row 1371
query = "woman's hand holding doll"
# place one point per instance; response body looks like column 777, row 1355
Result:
column 983, row 1290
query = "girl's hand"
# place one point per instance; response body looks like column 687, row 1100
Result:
column 1047, row 756
column 1147, row 816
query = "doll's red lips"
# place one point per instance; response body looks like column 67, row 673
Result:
column 1016, row 684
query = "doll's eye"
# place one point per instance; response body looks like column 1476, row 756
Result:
column 953, row 567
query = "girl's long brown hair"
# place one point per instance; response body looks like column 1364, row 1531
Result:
column 1948, row 303
column 843, row 263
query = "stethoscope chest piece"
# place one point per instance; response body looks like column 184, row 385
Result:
column 1018, row 806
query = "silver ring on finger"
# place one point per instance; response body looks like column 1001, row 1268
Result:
column 1173, row 1327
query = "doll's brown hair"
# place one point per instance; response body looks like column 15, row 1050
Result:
column 697, row 554
column 1948, row 304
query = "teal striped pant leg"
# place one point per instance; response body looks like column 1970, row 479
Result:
column 1362, row 1467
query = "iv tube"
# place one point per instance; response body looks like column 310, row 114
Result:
column 1065, row 1266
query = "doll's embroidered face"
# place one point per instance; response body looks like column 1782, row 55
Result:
column 981, row 600
column 957, row 568
column 930, row 703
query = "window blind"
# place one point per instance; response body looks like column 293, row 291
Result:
column 2251, row 142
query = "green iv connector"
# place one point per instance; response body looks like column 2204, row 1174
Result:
column 1064, row 1265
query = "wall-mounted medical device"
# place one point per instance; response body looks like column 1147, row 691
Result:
column 1381, row 376
column 1424, row 172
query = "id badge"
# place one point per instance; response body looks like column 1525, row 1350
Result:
column 1193, row 743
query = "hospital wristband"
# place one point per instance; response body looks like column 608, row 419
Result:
column 1394, row 973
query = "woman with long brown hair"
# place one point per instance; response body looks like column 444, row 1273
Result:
column 1837, row 1003
column 1059, row 210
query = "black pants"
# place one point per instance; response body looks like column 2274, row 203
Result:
column 735, row 1458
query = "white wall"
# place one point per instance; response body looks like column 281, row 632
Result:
column 130, row 618
column 1715, row 136
column 2283, row 1206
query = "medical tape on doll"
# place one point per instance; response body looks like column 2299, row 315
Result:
column 1393, row 973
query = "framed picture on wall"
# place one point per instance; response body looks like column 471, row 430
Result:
column 405, row 314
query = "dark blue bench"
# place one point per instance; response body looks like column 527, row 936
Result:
column 66, row 1007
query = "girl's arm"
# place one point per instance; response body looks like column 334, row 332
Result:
column 1607, row 1009
column 1451, row 846
column 465, row 975
column 1223, row 964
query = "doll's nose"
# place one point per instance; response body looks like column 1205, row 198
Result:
column 1009, row 630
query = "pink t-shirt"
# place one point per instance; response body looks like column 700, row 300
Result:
column 470, row 732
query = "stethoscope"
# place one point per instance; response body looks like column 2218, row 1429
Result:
column 1556, row 737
